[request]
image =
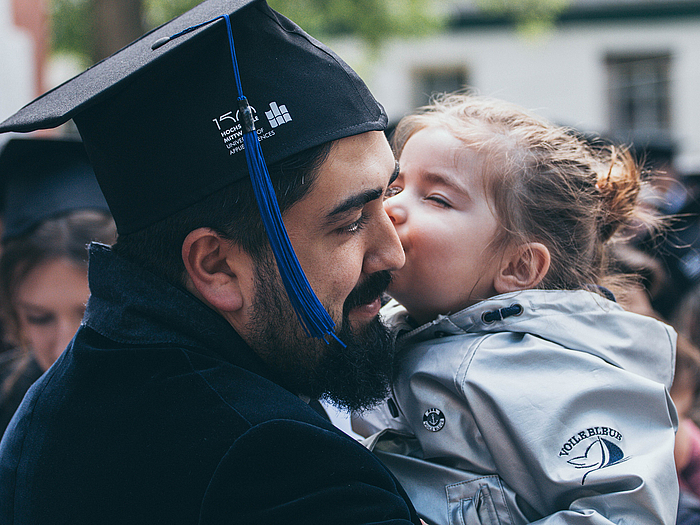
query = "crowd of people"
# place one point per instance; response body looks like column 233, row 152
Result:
column 506, row 306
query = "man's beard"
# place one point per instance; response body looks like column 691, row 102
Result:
column 355, row 378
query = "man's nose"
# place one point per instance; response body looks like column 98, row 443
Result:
column 386, row 252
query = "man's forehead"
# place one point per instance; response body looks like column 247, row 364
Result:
column 354, row 173
column 356, row 165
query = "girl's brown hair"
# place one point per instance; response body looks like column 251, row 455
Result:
column 546, row 183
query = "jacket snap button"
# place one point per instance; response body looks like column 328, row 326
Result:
column 393, row 409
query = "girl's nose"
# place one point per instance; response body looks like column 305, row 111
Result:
column 396, row 212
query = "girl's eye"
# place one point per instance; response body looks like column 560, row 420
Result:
column 355, row 226
column 439, row 201
column 391, row 191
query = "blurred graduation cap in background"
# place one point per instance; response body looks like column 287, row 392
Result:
column 44, row 178
column 163, row 119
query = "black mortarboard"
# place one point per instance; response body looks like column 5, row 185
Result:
column 161, row 126
column 45, row 178
column 161, row 121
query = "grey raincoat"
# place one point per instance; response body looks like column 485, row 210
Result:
column 546, row 407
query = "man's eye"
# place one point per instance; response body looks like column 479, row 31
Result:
column 355, row 226
column 391, row 191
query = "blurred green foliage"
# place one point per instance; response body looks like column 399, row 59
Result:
column 531, row 17
column 71, row 28
column 158, row 12
column 370, row 20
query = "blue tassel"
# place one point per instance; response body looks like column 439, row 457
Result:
column 310, row 312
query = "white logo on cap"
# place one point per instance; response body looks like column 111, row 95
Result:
column 277, row 115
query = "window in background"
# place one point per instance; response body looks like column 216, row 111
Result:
column 639, row 97
column 434, row 80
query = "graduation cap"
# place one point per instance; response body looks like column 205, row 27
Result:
column 182, row 112
column 42, row 179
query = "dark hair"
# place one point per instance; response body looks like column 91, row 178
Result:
column 66, row 236
column 685, row 318
column 546, row 183
column 231, row 212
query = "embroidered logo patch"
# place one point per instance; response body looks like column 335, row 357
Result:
column 277, row 115
column 433, row 419
column 231, row 129
column 593, row 449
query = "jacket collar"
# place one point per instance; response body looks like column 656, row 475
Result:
column 133, row 306
column 499, row 313
column 575, row 319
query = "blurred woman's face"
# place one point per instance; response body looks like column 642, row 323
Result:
column 50, row 303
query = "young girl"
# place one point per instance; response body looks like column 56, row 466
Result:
column 523, row 392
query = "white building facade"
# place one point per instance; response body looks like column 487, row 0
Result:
column 17, row 68
column 629, row 70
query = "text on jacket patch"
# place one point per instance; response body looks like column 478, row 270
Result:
column 589, row 432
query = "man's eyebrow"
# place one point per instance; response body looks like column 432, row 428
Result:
column 354, row 202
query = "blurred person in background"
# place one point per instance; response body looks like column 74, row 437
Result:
column 53, row 210
column 685, row 392
column 686, row 315
column 642, row 278
column 686, row 320
column 645, row 280
column 675, row 196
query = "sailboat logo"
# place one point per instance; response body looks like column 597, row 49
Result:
column 599, row 454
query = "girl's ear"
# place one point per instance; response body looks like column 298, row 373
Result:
column 523, row 267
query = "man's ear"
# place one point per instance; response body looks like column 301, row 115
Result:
column 523, row 267
column 218, row 269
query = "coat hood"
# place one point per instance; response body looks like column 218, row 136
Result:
column 580, row 320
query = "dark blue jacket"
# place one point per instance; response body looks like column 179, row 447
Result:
column 158, row 412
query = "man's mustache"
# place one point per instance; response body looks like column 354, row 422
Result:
column 368, row 290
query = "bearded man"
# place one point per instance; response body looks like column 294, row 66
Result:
column 245, row 166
